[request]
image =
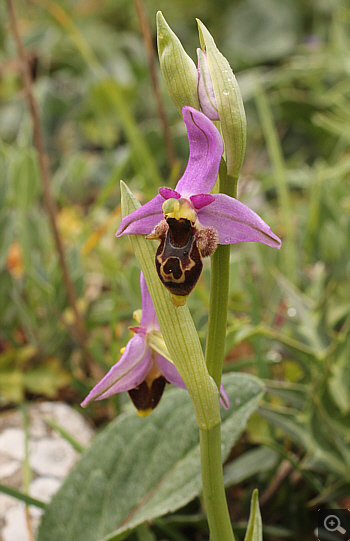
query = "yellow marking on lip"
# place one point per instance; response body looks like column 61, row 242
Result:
column 179, row 300
column 179, row 208
column 144, row 413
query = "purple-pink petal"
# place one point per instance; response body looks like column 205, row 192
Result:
column 127, row 373
column 168, row 193
column 169, row 371
column 143, row 220
column 148, row 318
column 235, row 222
column 224, row 399
column 206, row 149
column 201, row 200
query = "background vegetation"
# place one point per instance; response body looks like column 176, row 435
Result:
column 289, row 312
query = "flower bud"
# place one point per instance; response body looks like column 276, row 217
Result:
column 229, row 102
column 206, row 94
column 178, row 69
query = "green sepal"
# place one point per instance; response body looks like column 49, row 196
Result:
column 178, row 69
column 177, row 327
column 229, row 102
column 156, row 342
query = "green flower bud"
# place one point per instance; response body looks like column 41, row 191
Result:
column 206, row 94
column 178, row 69
column 228, row 99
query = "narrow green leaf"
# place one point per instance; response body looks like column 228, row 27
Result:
column 254, row 529
column 255, row 461
column 144, row 533
column 139, row 469
column 294, row 394
column 339, row 382
column 66, row 435
column 22, row 497
column 287, row 421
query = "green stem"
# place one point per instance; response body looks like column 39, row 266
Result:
column 219, row 284
column 210, row 440
column 213, row 485
column 219, row 287
column 182, row 341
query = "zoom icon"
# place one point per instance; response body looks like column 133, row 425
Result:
column 333, row 524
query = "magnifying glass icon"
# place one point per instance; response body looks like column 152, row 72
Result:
column 332, row 524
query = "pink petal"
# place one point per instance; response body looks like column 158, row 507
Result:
column 235, row 222
column 206, row 148
column 201, row 200
column 224, row 399
column 143, row 220
column 167, row 193
column 127, row 373
column 169, row 371
column 148, row 318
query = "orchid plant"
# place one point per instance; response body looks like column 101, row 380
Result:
column 200, row 217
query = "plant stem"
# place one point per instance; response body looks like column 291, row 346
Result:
column 210, row 440
column 219, row 284
column 219, row 287
column 183, row 344
column 213, row 485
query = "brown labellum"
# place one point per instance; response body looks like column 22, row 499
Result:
column 178, row 259
column 147, row 395
column 179, row 254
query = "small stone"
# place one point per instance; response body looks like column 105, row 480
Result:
column 16, row 524
column 42, row 488
column 51, row 457
column 8, row 468
column 12, row 443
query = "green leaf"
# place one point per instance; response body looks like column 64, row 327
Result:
column 255, row 461
column 21, row 496
column 287, row 421
column 293, row 393
column 339, row 382
column 24, row 178
column 139, row 469
column 254, row 529
column 144, row 533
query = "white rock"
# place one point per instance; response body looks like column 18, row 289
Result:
column 16, row 525
column 12, row 443
column 42, row 488
column 5, row 503
column 67, row 418
column 52, row 457
column 9, row 467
